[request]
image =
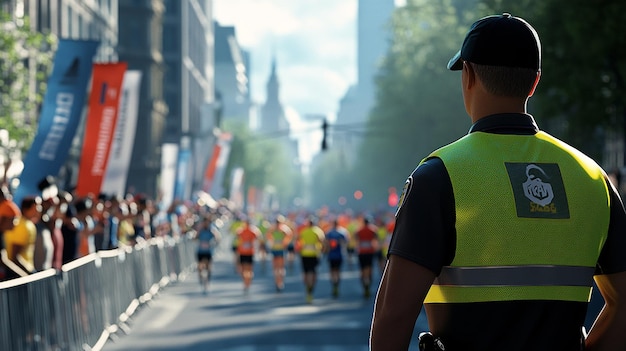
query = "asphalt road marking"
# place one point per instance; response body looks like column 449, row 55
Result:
column 167, row 311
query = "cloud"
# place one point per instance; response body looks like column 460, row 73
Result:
column 313, row 41
column 255, row 19
column 308, row 132
column 320, row 91
column 314, row 44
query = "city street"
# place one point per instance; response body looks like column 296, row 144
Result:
column 181, row 317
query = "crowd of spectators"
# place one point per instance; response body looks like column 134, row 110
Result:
column 48, row 231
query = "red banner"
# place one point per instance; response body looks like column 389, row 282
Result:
column 100, row 126
column 209, row 173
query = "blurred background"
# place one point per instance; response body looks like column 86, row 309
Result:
column 280, row 104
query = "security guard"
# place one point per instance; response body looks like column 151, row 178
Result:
column 501, row 233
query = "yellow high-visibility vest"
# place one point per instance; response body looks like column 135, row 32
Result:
column 532, row 215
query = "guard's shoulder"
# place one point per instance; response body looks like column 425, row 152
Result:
column 431, row 167
column 430, row 179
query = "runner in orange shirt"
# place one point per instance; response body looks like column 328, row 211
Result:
column 367, row 244
column 248, row 238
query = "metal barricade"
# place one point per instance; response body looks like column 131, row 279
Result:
column 30, row 312
column 90, row 299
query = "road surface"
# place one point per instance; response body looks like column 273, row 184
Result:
column 182, row 318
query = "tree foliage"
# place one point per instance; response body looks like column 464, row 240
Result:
column 330, row 180
column 21, row 89
column 583, row 78
column 419, row 105
column 265, row 162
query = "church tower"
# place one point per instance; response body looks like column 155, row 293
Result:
column 272, row 113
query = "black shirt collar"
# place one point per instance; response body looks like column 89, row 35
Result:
column 506, row 123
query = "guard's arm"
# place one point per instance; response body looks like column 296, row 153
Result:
column 402, row 290
column 607, row 332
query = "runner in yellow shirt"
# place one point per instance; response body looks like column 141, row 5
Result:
column 278, row 237
column 310, row 244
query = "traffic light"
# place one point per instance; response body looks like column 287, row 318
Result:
column 324, row 135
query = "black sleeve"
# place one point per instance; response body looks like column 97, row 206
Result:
column 425, row 222
column 613, row 256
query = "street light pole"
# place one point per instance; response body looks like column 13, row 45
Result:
column 325, row 134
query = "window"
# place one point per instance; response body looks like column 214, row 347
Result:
column 171, row 38
column 171, row 6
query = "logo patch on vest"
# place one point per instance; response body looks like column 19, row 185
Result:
column 538, row 189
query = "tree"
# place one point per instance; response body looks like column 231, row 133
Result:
column 585, row 67
column 583, row 78
column 330, row 180
column 265, row 162
column 25, row 61
column 419, row 105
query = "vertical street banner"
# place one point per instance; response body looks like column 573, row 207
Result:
column 236, row 188
column 183, row 174
column 116, row 174
column 251, row 202
column 169, row 161
column 61, row 113
column 209, row 174
column 214, row 175
column 104, row 101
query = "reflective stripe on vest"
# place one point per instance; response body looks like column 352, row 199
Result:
column 463, row 294
column 517, row 276
column 476, row 284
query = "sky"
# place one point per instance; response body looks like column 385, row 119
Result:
column 314, row 44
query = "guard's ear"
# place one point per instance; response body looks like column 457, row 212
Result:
column 470, row 76
column 532, row 90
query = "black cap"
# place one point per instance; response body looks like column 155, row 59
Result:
column 500, row 40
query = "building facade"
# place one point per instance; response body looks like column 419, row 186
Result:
column 140, row 45
column 77, row 19
column 74, row 19
column 373, row 19
column 188, row 42
column 171, row 42
column 232, row 83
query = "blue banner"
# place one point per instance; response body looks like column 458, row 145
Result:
column 183, row 175
column 61, row 112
